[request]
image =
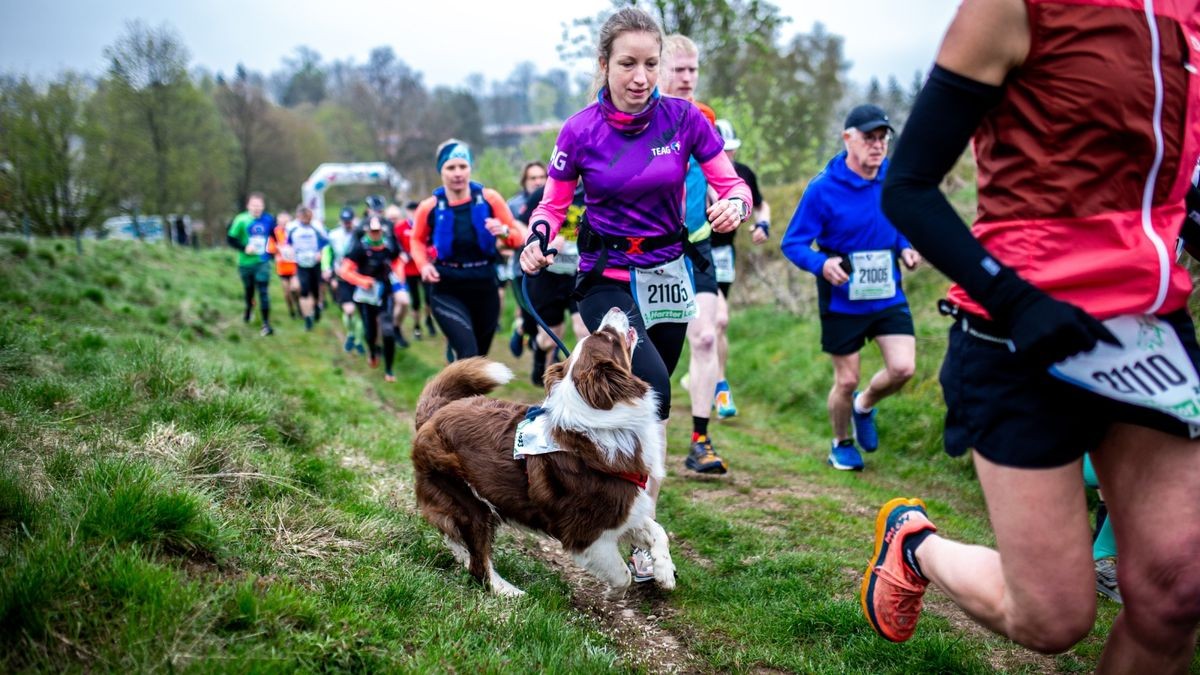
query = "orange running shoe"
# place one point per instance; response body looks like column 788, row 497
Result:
column 891, row 591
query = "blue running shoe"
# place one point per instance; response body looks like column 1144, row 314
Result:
column 515, row 344
column 845, row 457
column 360, row 347
column 726, row 408
column 864, row 427
column 349, row 344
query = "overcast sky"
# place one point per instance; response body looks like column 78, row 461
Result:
column 44, row 37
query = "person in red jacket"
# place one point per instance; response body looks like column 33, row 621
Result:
column 1071, row 329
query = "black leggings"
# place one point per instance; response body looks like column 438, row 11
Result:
column 467, row 313
column 253, row 278
column 378, row 319
column 659, row 346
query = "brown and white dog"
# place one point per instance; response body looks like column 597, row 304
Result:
column 589, row 493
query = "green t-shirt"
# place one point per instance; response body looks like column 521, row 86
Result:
column 247, row 229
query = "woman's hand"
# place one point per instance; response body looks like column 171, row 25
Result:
column 532, row 260
column 429, row 274
column 726, row 214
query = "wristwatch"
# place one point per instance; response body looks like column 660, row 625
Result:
column 744, row 209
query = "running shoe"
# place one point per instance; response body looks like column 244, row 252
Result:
column 348, row 345
column 246, row 314
column 388, row 377
column 308, row 323
column 516, row 344
column 843, row 456
column 891, row 591
column 373, row 361
column 400, row 341
column 417, row 332
column 449, row 354
column 641, row 565
column 703, row 459
column 724, row 401
column 360, row 347
column 864, row 427
column 266, row 330
column 1106, row 579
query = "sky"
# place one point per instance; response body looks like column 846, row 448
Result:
column 883, row 37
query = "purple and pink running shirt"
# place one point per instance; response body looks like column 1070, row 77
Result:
column 634, row 184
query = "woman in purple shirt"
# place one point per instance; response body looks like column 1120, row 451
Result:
column 631, row 150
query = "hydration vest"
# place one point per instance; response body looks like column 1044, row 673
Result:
column 443, row 223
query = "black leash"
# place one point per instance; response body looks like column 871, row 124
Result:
column 541, row 230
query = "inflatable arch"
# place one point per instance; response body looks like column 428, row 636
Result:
column 366, row 173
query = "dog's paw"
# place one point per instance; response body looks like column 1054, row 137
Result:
column 664, row 574
column 507, row 590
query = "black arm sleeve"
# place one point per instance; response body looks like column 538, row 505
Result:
column 233, row 242
column 946, row 114
column 1190, row 234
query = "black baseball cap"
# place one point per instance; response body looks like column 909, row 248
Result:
column 868, row 117
column 347, row 213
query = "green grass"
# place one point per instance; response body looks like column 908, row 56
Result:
column 179, row 493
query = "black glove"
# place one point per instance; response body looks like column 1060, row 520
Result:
column 1043, row 330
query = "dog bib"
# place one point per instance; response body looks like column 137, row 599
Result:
column 533, row 438
column 871, row 275
column 1150, row 369
column 723, row 262
column 665, row 293
column 372, row 296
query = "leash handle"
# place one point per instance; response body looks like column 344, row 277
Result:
column 541, row 230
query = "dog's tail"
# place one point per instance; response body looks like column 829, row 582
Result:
column 461, row 379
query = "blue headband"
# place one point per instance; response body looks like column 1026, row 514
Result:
column 457, row 150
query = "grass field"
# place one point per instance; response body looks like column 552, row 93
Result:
column 178, row 493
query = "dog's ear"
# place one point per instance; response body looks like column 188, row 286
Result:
column 603, row 383
column 554, row 374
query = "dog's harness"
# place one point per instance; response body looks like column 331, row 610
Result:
column 638, row 479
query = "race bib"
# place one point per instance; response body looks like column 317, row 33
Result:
column 372, row 296
column 257, row 244
column 666, row 293
column 533, row 438
column 307, row 258
column 1151, row 369
column 566, row 261
column 871, row 276
column 287, row 253
column 723, row 262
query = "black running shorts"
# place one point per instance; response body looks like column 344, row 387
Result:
column 706, row 281
column 1019, row 415
column 845, row 334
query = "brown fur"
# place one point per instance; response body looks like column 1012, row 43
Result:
column 462, row 456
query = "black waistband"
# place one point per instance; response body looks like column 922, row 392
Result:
column 591, row 241
column 973, row 324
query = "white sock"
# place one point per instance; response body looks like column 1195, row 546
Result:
column 861, row 411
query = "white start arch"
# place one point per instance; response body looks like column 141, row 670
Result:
column 362, row 173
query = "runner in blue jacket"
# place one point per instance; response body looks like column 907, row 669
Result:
column 857, row 265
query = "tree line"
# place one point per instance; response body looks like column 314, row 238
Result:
column 149, row 135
